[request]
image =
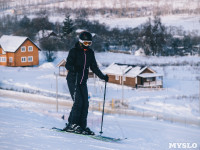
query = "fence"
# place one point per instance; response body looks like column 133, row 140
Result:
column 159, row 116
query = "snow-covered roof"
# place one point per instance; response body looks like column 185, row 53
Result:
column 45, row 33
column 128, row 70
column 178, row 37
column 140, row 52
column 135, row 71
column 11, row 43
column 62, row 63
column 117, row 69
column 150, row 75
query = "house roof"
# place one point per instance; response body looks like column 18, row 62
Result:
column 45, row 33
column 140, row 52
column 149, row 75
column 11, row 43
column 135, row 71
column 129, row 70
column 62, row 63
column 117, row 69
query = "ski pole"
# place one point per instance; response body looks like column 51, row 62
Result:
column 103, row 109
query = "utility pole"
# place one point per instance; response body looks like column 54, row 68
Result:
column 198, row 79
column 122, row 86
column 56, row 91
column 199, row 95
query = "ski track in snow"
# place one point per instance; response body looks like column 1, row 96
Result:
column 23, row 128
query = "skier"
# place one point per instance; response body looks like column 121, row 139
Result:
column 79, row 60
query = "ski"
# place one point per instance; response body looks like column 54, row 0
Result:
column 97, row 137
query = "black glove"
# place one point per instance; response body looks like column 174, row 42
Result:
column 106, row 78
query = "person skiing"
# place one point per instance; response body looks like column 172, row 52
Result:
column 78, row 62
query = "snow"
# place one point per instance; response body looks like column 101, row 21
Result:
column 97, row 4
column 149, row 75
column 172, row 113
column 177, row 102
column 116, row 69
column 26, row 125
column 140, row 52
column 47, row 66
column 135, row 71
column 180, row 92
column 187, row 22
column 11, row 43
column 44, row 33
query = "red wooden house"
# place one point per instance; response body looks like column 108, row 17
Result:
column 18, row 51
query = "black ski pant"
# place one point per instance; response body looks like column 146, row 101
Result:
column 79, row 111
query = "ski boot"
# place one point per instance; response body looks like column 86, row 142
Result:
column 87, row 131
column 74, row 128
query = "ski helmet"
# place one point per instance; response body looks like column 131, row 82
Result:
column 85, row 38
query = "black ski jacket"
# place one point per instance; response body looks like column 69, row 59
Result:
column 79, row 61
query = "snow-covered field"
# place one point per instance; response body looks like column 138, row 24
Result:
column 26, row 125
column 181, row 4
column 178, row 98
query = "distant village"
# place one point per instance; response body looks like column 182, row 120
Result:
column 24, row 52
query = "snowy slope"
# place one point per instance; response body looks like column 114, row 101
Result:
column 20, row 128
column 179, row 98
column 95, row 4
column 187, row 22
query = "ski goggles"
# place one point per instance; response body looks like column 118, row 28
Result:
column 85, row 43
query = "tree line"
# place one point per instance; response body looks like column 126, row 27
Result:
column 154, row 37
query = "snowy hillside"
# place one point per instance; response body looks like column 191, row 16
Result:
column 184, row 13
column 181, row 4
column 187, row 22
column 178, row 99
column 26, row 125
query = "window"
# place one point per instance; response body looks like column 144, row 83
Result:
column 23, row 49
column 30, row 48
column 30, row 58
column 23, row 59
column 116, row 77
column 10, row 59
column 3, row 59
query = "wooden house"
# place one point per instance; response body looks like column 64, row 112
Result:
column 143, row 77
column 133, row 76
column 18, row 51
column 62, row 69
column 116, row 71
